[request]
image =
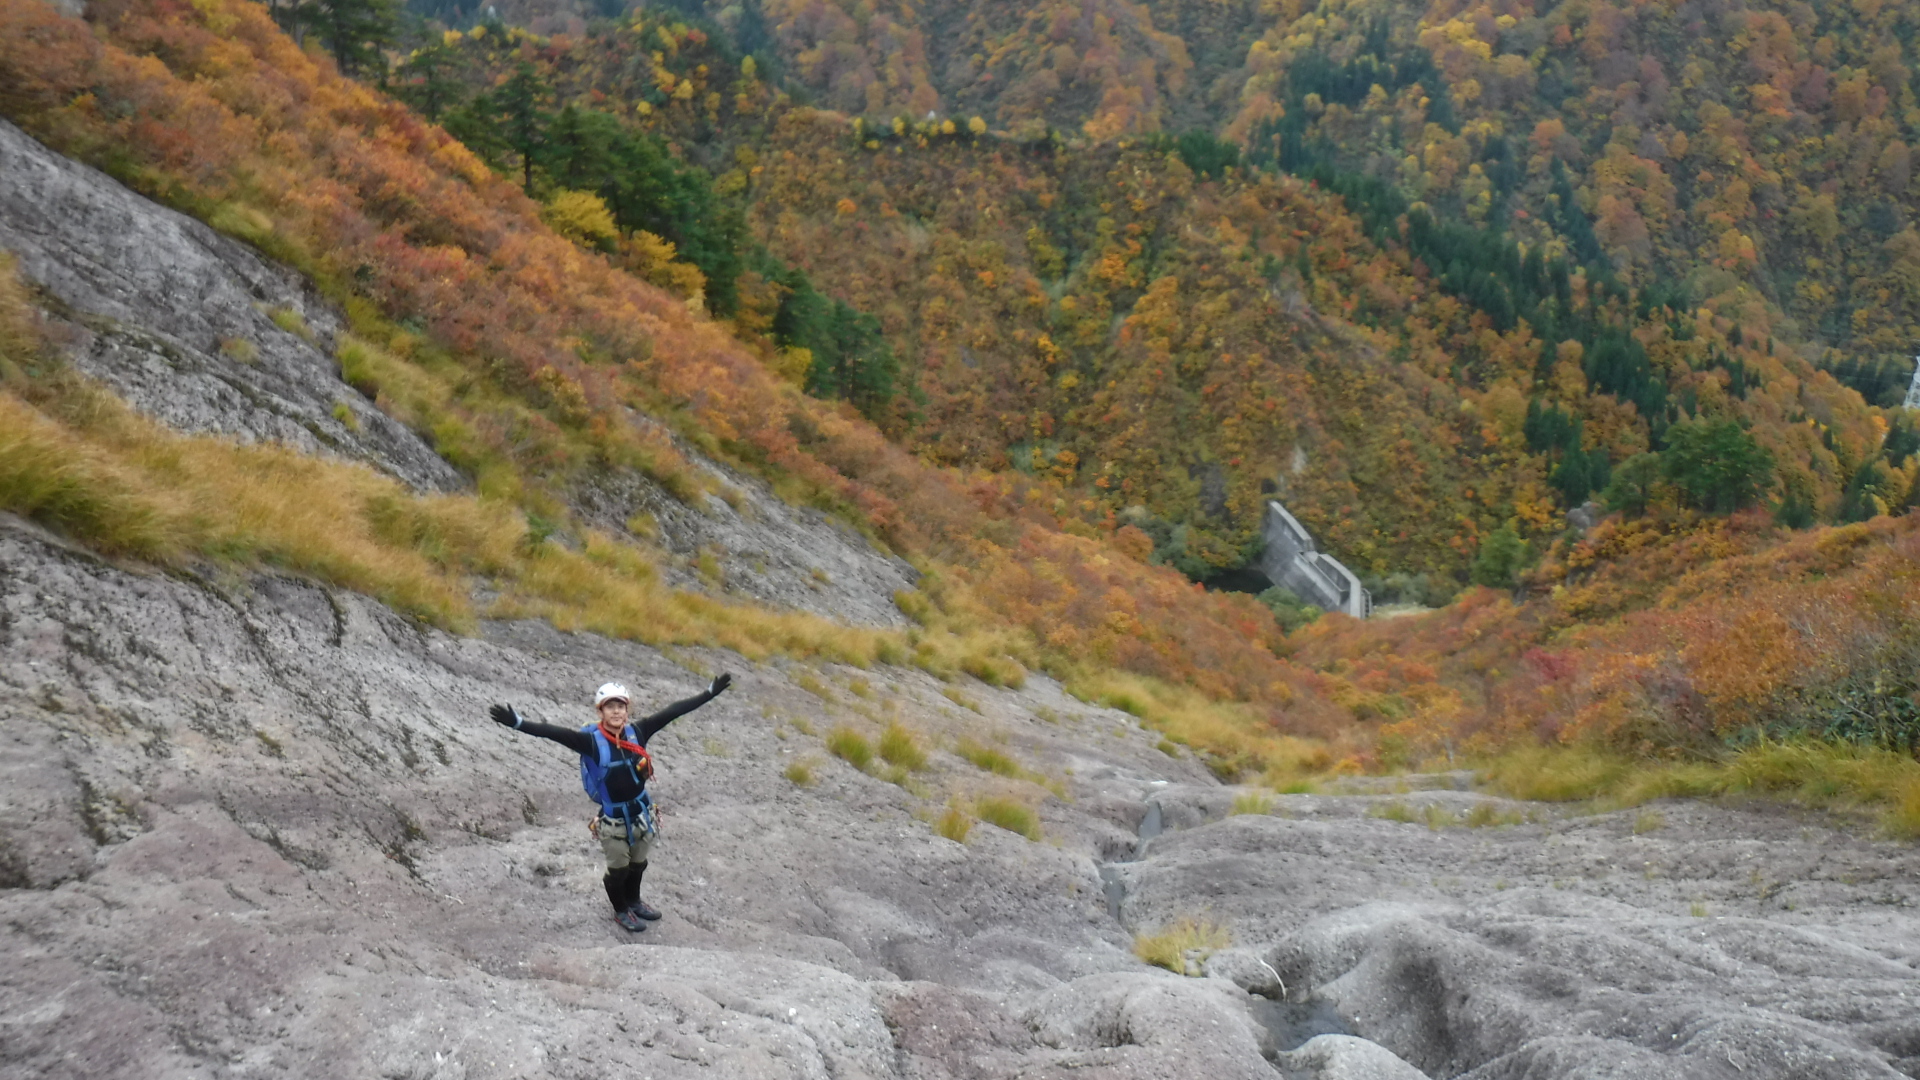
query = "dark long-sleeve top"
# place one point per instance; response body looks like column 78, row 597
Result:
column 621, row 783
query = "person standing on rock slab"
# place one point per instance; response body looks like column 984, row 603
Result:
column 614, row 768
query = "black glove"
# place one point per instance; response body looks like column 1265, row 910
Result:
column 720, row 682
column 504, row 714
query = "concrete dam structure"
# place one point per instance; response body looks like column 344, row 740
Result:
column 1318, row 578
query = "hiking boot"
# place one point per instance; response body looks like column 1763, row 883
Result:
column 630, row 922
column 644, row 910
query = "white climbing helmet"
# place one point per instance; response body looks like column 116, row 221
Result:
column 612, row 691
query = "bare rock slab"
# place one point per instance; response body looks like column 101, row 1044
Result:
column 1344, row 1057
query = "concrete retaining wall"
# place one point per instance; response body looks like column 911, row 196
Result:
column 1290, row 560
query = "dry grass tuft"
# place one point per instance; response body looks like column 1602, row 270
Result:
column 1487, row 814
column 955, row 695
column 1169, row 947
column 1251, row 802
column 78, row 461
column 1394, row 811
column 51, row 477
column 850, row 746
column 1820, row 775
column 1009, row 814
column 954, row 823
column 900, row 748
column 1557, row 774
column 1811, row 773
column 20, row 337
column 997, row 762
column 1904, row 819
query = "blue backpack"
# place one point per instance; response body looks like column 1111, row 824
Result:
column 593, row 777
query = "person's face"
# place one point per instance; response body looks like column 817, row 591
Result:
column 613, row 714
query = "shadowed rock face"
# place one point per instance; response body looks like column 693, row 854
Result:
column 263, row 829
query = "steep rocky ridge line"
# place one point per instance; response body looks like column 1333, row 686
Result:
column 179, row 320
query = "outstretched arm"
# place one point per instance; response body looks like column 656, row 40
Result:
column 646, row 729
column 579, row 742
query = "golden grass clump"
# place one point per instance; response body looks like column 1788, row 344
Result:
column 1558, row 774
column 900, row 748
column 850, row 746
column 1831, row 776
column 1487, row 814
column 1169, row 947
column 1821, row 774
column 1251, row 802
column 997, row 762
column 121, row 483
column 800, row 772
column 614, row 589
column 1009, row 814
column 1394, row 811
column 958, row 697
column 50, row 476
column 1904, row 819
column 954, row 823
column 20, row 338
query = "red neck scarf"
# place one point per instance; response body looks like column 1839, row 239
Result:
column 632, row 748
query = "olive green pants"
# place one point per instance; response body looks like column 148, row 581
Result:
column 613, row 841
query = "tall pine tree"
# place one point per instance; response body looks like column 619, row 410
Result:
column 354, row 31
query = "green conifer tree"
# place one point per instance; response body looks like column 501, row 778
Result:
column 354, row 31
